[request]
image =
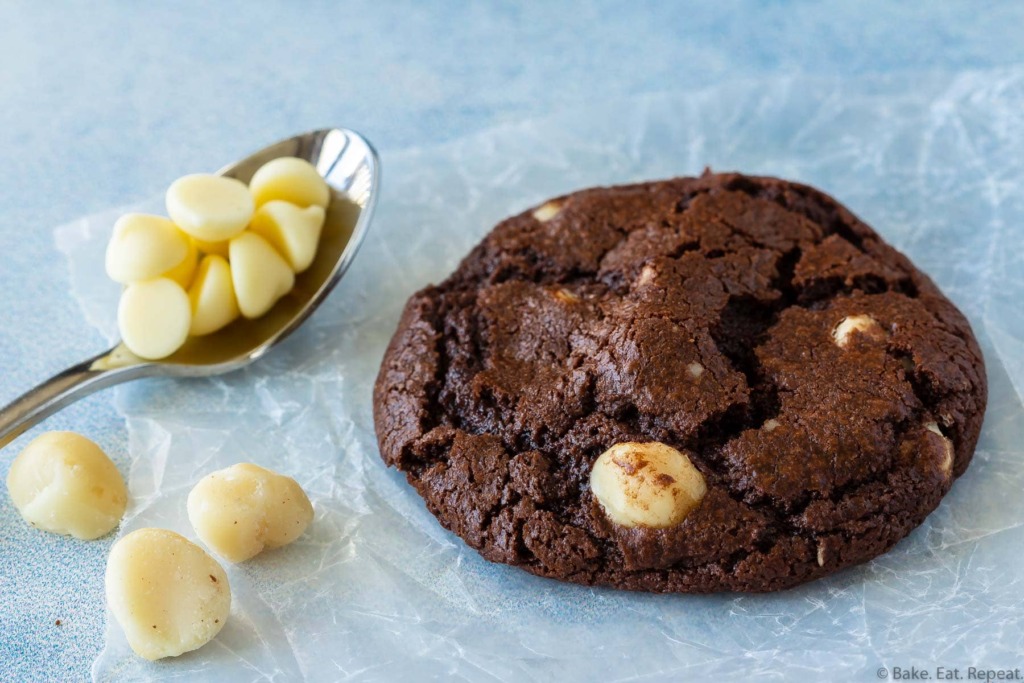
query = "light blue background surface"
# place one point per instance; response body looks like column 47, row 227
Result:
column 106, row 104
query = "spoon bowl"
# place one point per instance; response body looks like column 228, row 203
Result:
column 351, row 168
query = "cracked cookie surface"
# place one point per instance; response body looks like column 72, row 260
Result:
column 823, row 386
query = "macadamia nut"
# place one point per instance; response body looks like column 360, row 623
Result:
column 646, row 484
column 862, row 324
column 212, row 208
column 64, row 483
column 292, row 180
column 245, row 508
column 166, row 592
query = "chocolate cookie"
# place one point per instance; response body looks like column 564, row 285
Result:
column 701, row 384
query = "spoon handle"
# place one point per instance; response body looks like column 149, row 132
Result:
column 61, row 390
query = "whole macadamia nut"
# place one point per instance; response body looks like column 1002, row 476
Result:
column 64, row 483
column 167, row 593
column 240, row 510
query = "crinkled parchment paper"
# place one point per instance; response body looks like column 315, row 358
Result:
column 377, row 590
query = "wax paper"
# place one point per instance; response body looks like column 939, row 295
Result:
column 378, row 591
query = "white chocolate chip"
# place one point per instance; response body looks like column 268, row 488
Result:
column 209, row 207
column 821, row 555
column 64, row 483
column 292, row 180
column 566, row 296
column 154, row 318
column 212, row 297
column 292, row 230
column 770, row 425
column 646, row 484
column 864, row 324
column 946, row 464
column 166, row 592
column 695, row 370
column 245, row 508
column 547, row 211
column 143, row 247
column 646, row 277
column 261, row 276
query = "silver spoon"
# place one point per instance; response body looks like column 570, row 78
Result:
column 351, row 168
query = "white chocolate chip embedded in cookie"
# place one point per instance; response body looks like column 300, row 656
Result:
column 546, row 212
column 862, row 324
column 647, row 275
column 166, row 592
column 566, row 296
column 646, row 484
column 65, row 484
column 946, row 464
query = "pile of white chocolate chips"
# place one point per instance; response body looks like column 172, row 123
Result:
column 227, row 250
